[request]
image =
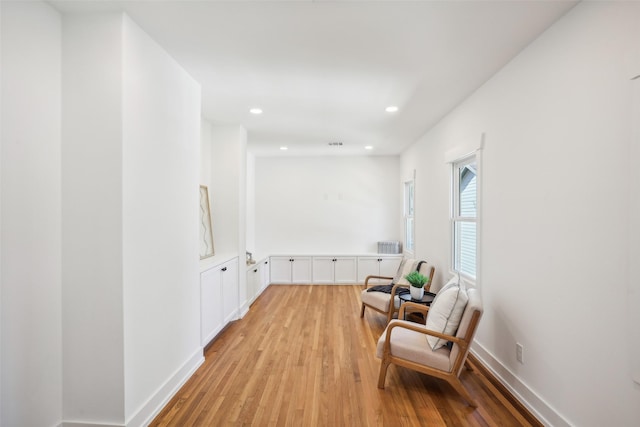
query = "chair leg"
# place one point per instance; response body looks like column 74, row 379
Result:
column 457, row 385
column 384, row 364
column 362, row 311
column 390, row 315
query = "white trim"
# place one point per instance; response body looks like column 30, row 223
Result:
column 455, row 218
column 409, row 175
column 544, row 412
column 479, row 183
column 152, row 407
column 464, row 149
column 244, row 309
column 405, row 248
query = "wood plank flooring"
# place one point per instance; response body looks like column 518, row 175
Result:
column 302, row 356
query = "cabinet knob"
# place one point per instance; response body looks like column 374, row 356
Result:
column 266, row 262
column 255, row 271
column 224, row 268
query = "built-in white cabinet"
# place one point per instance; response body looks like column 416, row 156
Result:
column 265, row 275
column 219, row 298
column 257, row 279
column 323, row 269
column 254, row 279
column 339, row 269
column 377, row 266
column 230, row 291
column 211, row 316
column 290, row 269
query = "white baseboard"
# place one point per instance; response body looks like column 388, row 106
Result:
column 244, row 310
column 163, row 395
column 289, row 284
column 546, row 414
column 86, row 424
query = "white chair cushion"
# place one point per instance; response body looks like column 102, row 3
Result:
column 378, row 300
column 446, row 311
column 410, row 345
column 406, row 266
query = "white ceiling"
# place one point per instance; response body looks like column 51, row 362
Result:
column 325, row 71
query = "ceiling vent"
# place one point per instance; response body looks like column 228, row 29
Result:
column 335, row 144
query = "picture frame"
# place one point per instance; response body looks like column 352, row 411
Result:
column 206, row 225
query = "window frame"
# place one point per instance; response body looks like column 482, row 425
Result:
column 409, row 209
column 456, row 218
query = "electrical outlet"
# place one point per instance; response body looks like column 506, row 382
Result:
column 519, row 353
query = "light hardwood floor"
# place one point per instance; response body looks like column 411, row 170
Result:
column 302, row 356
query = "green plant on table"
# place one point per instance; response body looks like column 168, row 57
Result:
column 416, row 279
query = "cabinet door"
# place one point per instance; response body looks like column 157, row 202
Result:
column 281, row 269
column 211, row 316
column 323, row 268
column 301, row 270
column 345, row 270
column 368, row 266
column 253, row 282
column 264, row 276
column 389, row 266
column 230, row 291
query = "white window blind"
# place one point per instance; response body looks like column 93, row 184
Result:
column 464, row 218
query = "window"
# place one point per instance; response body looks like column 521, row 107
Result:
column 408, row 216
column 465, row 216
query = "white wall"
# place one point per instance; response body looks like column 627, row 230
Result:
column 223, row 169
column 1, row 157
column 130, row 254
column 251, row 207
column 206, row 155
column 92, row 241
column 555, row 214
column 634, row 232
column 161, row 142
column 30, row 176
column 326, row 204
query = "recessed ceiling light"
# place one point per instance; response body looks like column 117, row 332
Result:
column 368, row 147
column 255, row 111
column 284, row 148
column 391, row 109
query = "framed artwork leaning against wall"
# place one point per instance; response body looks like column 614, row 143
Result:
column 206, row 228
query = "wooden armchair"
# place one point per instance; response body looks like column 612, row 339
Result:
column 405, row 344
column 386, row 303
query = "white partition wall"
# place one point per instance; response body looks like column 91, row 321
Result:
column 161, row 140
column 92, row 219
column 131, row 123
column 31, row 333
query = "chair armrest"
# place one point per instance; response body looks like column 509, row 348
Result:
column 421, row 329
column 414, row 306
column 395, row 288
column 366, row 280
